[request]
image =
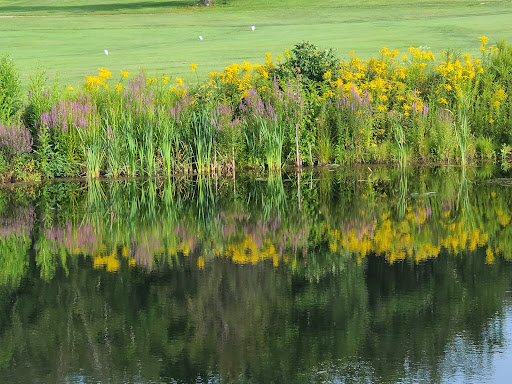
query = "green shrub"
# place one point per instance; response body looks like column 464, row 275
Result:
column 484, row 148
column 10, row 97
column 312, row 62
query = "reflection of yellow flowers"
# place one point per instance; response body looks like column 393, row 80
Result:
column 489, row 256
column 110, row 262
column 503, row 218
column 200, row 262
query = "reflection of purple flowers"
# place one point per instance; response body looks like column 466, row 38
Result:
column 19, row 224
column 86, row 237
column 360, row 227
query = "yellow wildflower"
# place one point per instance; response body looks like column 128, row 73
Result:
column 193, row 67
column 124, row 74
column 483, row 40
column 501, row 95
column 179, row 81
column 104, row 73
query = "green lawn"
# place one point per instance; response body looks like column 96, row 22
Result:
column 68, row 38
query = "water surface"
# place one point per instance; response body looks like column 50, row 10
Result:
column 334, row 275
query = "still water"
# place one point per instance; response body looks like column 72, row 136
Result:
column 365, row 275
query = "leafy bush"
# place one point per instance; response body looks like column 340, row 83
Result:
column 10, row 98
column 311, row 62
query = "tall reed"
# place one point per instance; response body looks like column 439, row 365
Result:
column 203, row 140
column 462, row 130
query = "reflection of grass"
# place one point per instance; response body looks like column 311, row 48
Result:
column 126, row 27
column 463, row 203
column 274, row 202
column 402, row 194
column 153, row 223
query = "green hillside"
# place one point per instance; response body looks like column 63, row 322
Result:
column 68, row 38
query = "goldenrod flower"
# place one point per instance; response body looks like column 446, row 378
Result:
column 500, row 95
column 104, row 73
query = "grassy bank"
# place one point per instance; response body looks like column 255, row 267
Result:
column 306, row 106
column 68, row 38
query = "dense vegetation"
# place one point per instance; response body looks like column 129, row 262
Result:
column 303, row 107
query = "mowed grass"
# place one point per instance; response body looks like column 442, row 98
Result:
column 67, row 38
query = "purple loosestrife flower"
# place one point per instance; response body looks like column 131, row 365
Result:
column 15, row 139
column 68, row 114
column 271, row 111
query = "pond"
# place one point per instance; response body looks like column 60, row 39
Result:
column 367, row 274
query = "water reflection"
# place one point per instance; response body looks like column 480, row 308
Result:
column 361, row 275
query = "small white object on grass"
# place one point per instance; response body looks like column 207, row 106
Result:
column 200, row 37
column 253, row 27
column 106, row 52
